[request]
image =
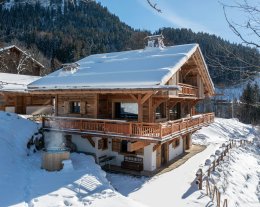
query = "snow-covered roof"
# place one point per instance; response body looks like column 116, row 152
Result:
column 146, row 68
column 15, row 82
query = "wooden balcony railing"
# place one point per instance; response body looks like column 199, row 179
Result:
column 129, row 129
column 188, row 90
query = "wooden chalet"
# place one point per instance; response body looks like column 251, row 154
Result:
column 132, row 109
column 17, row 61
column 15, row 98
column 17, row 69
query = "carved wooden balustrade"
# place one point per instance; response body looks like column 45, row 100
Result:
column 188, row 90
column 130, row 129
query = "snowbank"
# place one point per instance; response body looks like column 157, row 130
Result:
column 24, row 183
column 223, row 130
column 15, row 132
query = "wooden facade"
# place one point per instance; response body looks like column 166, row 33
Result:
column 143, row 128
column 20, row 102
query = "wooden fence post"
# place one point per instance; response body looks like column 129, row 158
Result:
column 225, row 203
column 199, row 178
column 218, row 198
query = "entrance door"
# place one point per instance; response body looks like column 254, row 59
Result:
column 188, row 142
column 158, row 157
column 164, row 153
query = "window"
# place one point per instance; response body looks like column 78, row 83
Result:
column 176, row 143
column 126, row 110
column 175, row 112
column 75, row 107
column 161, row 111
column 102, row 144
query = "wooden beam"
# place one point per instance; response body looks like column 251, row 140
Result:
column 133, row 146
column 133, row 97
column 56, row 105
column 145, row 97
column 155, row 147
column 89, row 138
column 140, row 108
column 151, row 113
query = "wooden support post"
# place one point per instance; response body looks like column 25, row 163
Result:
column 56, row 106
column 140, row 108
column 225, row 204
column 130, row 128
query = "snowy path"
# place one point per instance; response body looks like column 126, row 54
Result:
column 177, row 187
column 167, row 189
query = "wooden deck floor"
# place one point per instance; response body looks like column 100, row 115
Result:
column 173, row 164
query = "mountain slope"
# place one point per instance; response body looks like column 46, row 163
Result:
column 65, row 31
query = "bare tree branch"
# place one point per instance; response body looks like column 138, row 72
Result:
column 251, row 25
column 154, row 6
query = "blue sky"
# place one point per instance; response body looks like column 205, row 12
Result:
column 199, row 15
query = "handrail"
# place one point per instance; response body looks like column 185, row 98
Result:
column 135, row 129
column 188, row 89
column 187, row 85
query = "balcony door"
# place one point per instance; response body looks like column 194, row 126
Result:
column 125, row 110
column 175, row 112
column 162, row 155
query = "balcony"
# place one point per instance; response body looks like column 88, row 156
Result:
column 188, row 90
column 152, row 131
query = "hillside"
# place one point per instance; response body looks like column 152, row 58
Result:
column 65, row 32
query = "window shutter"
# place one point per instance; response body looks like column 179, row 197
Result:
column 66, row 107
column 116, row 145
column 82, row 107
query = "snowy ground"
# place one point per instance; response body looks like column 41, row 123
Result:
column 23, row 183
column 178, row 188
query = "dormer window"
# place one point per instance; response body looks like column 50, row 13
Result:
column 70, row 67
column 155, row 41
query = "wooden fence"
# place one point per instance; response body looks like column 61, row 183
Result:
column 204, row 173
